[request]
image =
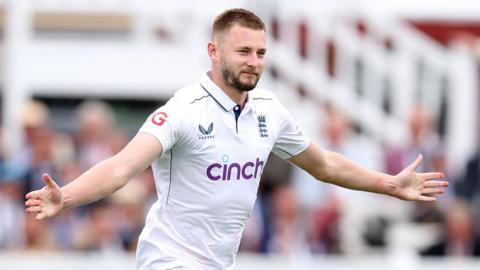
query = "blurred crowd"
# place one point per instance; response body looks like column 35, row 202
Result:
column 113, row 223
column 295, row 215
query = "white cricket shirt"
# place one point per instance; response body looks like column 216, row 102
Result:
column 208, row 174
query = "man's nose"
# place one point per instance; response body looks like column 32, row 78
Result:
column 253, row 60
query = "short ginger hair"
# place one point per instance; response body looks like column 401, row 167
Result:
column 240, row 16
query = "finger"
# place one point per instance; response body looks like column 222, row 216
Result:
column 433, row 183
column 432, row 175
column 33, row 202
column 34, row 194
column 433, row 191
column 49, row 181
column 417, row 162
column 34, row 209
column 424, row 198
column 40, row 216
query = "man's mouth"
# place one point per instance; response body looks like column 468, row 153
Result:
column 251, row 73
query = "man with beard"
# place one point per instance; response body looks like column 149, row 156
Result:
column 208, row 146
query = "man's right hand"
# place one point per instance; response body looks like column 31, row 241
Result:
column 46, row 202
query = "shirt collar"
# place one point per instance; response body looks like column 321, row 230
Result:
column 218, row 95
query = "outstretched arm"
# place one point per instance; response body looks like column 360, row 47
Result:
column 334, row 168
column 101, row 180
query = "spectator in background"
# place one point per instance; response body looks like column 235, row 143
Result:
column 35, row 155
column 422, row 139
column 97, row 138
column 38, row 235
column 129, row 203
column 458, row 238
column 469, row 185
column 288, row 230
column 468, row 188
column 96, row 126
column 98, row 231
column 21, row 174
column 11, row 221
column 324, row 226
column 8, row 207
column 331, row 210
column 40, row 156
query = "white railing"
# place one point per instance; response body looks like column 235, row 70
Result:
column 417, row 69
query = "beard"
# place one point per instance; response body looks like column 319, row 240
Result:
column 233, row 79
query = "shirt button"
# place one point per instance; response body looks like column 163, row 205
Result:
column 237, row 108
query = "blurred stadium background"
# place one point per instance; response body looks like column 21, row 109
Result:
column 379, row 81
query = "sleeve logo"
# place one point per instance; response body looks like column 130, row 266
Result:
column 159, row 118
column 206, row 133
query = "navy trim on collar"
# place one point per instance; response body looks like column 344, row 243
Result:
column 219, row 104
column 217, row 93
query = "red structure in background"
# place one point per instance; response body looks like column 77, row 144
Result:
column 446, row 31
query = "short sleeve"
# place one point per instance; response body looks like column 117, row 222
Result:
column 165, row 124
column 291, row 140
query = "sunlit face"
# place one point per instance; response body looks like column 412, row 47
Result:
column 242, row 57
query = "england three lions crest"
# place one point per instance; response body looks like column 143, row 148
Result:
column 262, row 126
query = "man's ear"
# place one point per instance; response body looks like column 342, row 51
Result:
column 213, row 51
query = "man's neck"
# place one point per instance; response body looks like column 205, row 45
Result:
column 239, row 97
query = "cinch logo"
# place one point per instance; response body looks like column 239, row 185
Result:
column 229, row 171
